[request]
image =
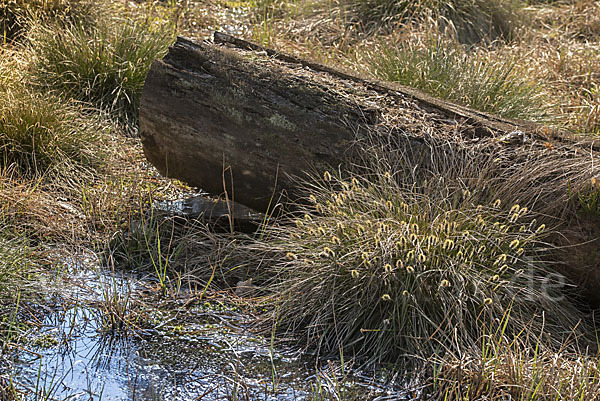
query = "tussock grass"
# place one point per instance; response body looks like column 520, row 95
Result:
column 68, row 175
column 559, row 50
column 105, row 64
column 19, row 15
column 472, row 21
column 67, row 172
column 416, row 259
column 446, row 70
column 408, row 256
column 40, row 131
column 12, row 65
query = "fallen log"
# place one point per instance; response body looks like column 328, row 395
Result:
column 231, row 116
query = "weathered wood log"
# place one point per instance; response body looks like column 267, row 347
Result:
column 229, row 115
column 232, row 116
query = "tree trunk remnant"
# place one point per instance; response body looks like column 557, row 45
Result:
column 230, row 116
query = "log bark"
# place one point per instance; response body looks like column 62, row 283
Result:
column 231, row 116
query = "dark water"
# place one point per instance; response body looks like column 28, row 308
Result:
column 200, row 353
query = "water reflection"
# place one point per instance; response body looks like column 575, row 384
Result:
column 84, row 365
column 73, row 357
column 189, row 354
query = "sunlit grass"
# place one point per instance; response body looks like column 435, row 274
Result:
column 41, row 131
column 387, row 264
column 522, row 368
column 471, row 20
column 17, row 16
column 446, row 70
column 105, row 64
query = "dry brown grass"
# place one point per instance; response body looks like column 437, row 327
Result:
column 73, row 208
column 518, row 370
column 560, row 50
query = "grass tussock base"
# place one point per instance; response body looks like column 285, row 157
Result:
column 41, row 131
column 524, row 368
